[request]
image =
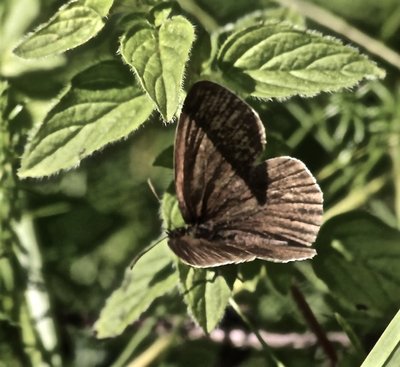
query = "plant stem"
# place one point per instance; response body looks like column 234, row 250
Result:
column 270, row 356
column 153, row 352
column 314, row 325
column 357, row 197
column 138, row 338
column 36, row 295
column 205, row 19
column 394, row 151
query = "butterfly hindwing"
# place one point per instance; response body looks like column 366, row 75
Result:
column 200, row 252
column 281, row 229
column 293, row 206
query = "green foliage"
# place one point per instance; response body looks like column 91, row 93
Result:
column 103, row 104
column 358, row 259
column 158, row 52
column 206, row 293
column 170, row 214
column 386, row 351
column 280, row 60
column 74, row 24
column 151, row 277
column 93, row 83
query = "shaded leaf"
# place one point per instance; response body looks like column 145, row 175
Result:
column 74, row 24
column 152, row 276
column 354, row 339
column 158, row 57
column 165, row 158
column 358, row 257
column 249, row 276
column 170, row 213
column 104, row 104
column 281, row 60
column 206, row 293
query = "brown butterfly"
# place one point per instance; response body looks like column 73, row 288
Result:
column 235, row 210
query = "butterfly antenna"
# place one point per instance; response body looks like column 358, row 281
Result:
column 153, row 190
column 144, row 251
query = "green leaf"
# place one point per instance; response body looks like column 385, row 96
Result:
column 358, row 259
column 170, row 213
column 158, row 56
column 281, row 60
column 386, row 351
column 103, row 105
column 153, row 275
column 165, row 158
column 250, row 274
column 206, row 293
column 101, row 6
column 74, row 24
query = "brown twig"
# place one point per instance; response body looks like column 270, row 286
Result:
column 314, row 325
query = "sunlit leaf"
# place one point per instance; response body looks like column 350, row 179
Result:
column 206, row 293
column 73, row 24
column 158, row 56
column 101, row 6
column 281, row 60
column 153, row 275
column 170, row 213
column 104, row 104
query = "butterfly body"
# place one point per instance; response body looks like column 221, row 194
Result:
column 237, row 210
column 206, row 231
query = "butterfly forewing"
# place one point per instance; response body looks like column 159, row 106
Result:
column 230, row 123
column 216, row 131
column 237, row 211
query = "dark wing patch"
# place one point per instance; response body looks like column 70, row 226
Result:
column 229, row 122
column 216, row 131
